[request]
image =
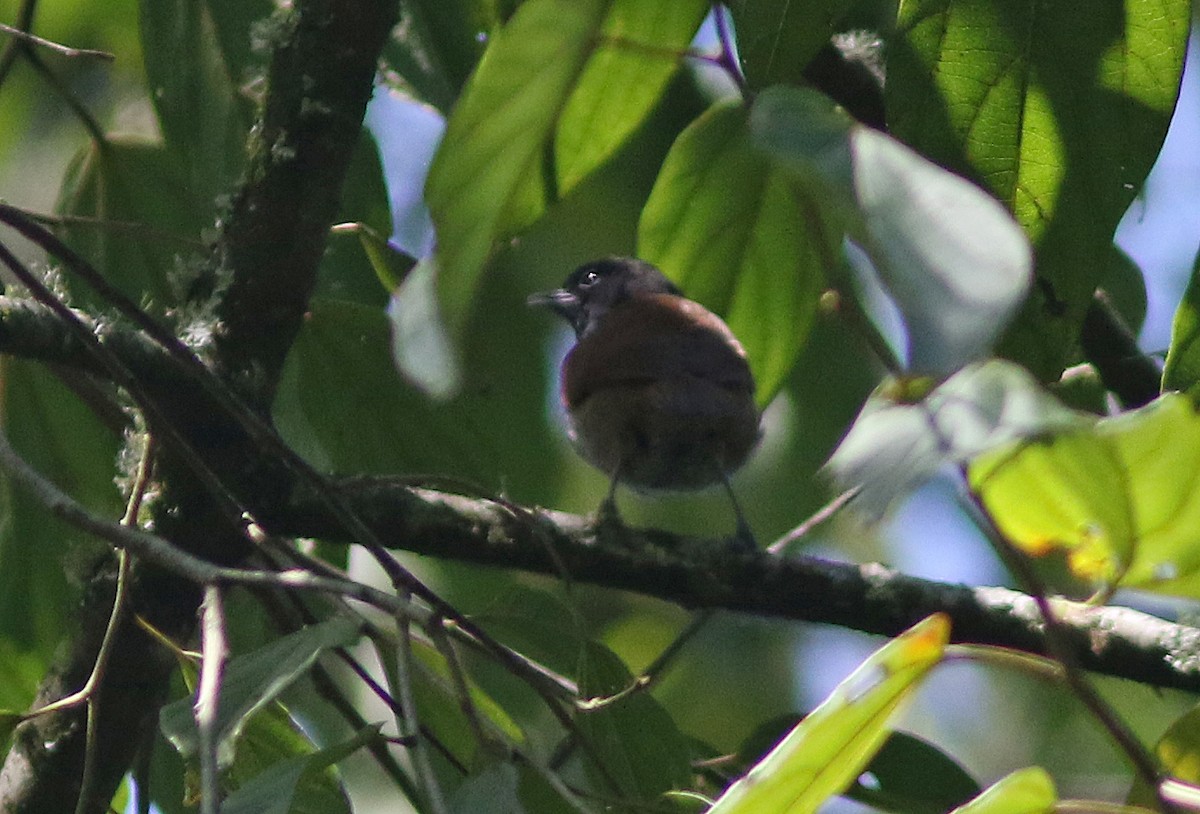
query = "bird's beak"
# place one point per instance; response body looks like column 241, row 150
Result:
column 562, row 302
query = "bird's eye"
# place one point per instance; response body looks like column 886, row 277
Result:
column 591, row 278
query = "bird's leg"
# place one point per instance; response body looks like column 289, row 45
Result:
column 607, row 513
column 609, row 525
column 743, row 536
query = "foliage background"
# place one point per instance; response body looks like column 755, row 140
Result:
column 501, row 433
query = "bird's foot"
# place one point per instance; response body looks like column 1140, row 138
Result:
column 610, row 525
column 743, row 537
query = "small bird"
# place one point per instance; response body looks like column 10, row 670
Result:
column 657, row 389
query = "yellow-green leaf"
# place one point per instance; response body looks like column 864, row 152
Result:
column 1123, row 498
column 1027, row 791
column 1064, row 492
column 829, row 748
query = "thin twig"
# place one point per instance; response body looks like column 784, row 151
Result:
column 15, row 47
column 172, row 558
column 409, row 723
column 458, row 675
column 144, row 230
column 215, row 650
column 727, row 59
column 65, row 50
column 87, row 694
column 1144, row 763
column 259, row 431
column 818, row 517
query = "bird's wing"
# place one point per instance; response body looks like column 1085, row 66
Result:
column 653, row 338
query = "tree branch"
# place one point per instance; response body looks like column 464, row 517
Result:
column 710, row 573
column 692, row 572
column 266, row 256
column 319, row 84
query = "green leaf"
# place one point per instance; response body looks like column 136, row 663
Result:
column 539, row 625
column 1125, row 286
column 907, row 775
column 197, row 57
column 628, row 731
column 777, row 39
column 539, row 796
column 912, row 776
column 1182, row 371
column 421, row 346
column 307, row 784
column 344, row 348
column 1081, row 475
column 20, row 671
column 953, row 261
column 485, row 180
column 1122, row 498
column 252, row 681
column 1178, row 751
column 153, row 215
column 57, row 433
column 728, row 229
column 1061, row 115
column 494, row 789
column 439, row 705
column 436, row 44
column 897, row 442
column 342, row 404
column 364, row 270
column 1027, row 791
column 832, row 746
column 641, row 45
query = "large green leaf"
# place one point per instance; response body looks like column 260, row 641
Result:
column 776, row 39
column 252, row 681
column 485, row 181
column 628, row 731
column 436, row 44
column 343, row 405
column 898, row 442
column 198, row 57
column 57, row 433
column 348, row 269
column 1122, row 499
column 953, row 261
column 1060, row 113
column 150, row 212
column 726, row 226
column 640, row 47
column 834, row 743
column 1182, row 370
column 307, row 783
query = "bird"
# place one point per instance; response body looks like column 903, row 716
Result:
column 657, row 389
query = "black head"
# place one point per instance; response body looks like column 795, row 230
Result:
column 595, row 287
